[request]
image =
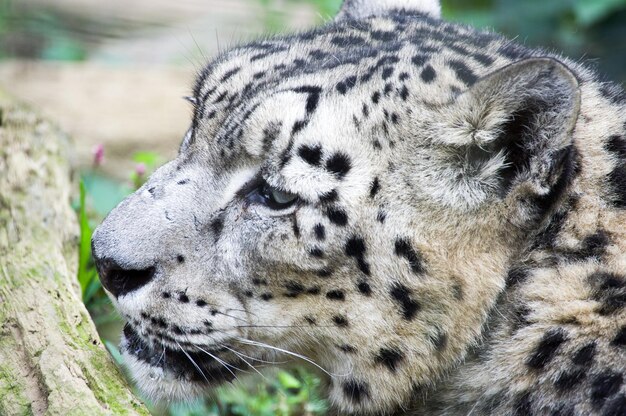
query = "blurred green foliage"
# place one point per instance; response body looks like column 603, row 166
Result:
column 37, row 33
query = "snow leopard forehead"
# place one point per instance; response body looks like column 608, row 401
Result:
column 400, row 58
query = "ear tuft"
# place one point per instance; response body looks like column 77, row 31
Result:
column 359, row 9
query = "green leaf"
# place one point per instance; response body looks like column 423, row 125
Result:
column 288, row 381
column 149, row 159
column 85, row 275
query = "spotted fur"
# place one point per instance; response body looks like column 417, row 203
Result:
column 433, row 215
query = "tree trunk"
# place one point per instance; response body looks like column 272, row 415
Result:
column 51, row 359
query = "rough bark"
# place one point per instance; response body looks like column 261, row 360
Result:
column 51, row 359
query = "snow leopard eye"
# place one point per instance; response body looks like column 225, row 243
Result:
column 271, row 197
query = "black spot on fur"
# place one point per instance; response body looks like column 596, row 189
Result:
column 620, row 338
column 355, row 247
column 298, row 126
column 614, row 93
column 310, row 154
column 584, row 356
column 267, row 296
column 324, row 273
column 463, row 72
column 259, row 282
column 295, row 227
column 316, row 252
column 376, row 97
column 547, row 348
column 180, row 258
column 165, row 295
column 355, row 391
column 381, row 216
column 270, row 132
column 217, row 226
column 439, row 340
column 385, row 36
column 404, row 249
column 220, row 97
column 329, row 197
column 390, row 358
column 336, row 295
column 229, row 74
column 349, row 349
column 617, row 182
column 402, row 295
column 428, row 74
column 520, row 315
column 546, row 238
column 294, row 289
column 343, row 41
column 609, row 290
column 616, row 406
column 387, row 73
column 617, row 145
column 310, row 320
column 364, row 288
column 419, row 60
column 346, row 85
column 340, row 321
column 313, row 97
column 314, row 290
column 182, row 297
column 566, row 380
column 337, row 216
column 201, row 303
column 404, row 93
column 320, row 232
column 339, row 164
column 523, row 405
column 375, row 187
column 594, row 245
column 516, row 276
column 604, row 385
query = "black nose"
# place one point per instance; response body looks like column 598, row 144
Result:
column 119, row 280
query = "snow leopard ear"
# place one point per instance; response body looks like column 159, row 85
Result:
column 510, row 128
column 358, row 9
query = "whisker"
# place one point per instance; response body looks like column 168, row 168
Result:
column 233, row 317
column 193, row 362
column 223, row 363
column 283, row 326
column 254, row 358
column 302, row 357
column 245, row 361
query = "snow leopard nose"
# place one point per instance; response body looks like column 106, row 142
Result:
column 120, row 281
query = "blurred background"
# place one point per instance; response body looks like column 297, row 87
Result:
column 113, row 73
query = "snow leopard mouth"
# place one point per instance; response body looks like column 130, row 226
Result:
column 196, row 365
